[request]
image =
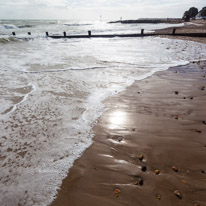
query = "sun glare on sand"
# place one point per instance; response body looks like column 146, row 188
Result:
column 117, row 119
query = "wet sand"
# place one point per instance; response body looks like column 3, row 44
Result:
column 149, row 146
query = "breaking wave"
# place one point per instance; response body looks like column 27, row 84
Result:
column 4, row 40
column 8, row 26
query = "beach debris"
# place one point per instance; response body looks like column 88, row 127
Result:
column 144, row 168
column 175, row 116
column 116, row 192
column 175, row 168
column 184, row 181
column 141, row 157
column 204, row 122
column 158, row 196
column 140, row 181
column 157, row 172
column 178, row 194
column 176, row 92
column 202, row 88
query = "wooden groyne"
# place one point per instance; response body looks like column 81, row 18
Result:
column 141, row 34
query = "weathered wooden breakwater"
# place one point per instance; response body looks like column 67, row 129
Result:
column 141, row 34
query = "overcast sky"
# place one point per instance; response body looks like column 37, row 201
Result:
column 92, row 9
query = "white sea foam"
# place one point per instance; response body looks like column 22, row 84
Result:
column 65, row 83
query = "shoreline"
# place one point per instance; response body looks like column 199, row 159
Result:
column 131, row 126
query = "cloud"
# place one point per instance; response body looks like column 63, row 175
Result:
column 111, row 9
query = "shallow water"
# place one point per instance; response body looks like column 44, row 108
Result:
column 52, row 92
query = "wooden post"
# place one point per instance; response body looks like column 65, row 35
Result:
column 65, row 34
column 142, row 32
column 29, row 33
column 173, row 32
column 89, row 33
column 13, row 33
column 47, row 33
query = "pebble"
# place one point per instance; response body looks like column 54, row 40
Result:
column 203, row 171
column 140, row 182
column 158, row 196
column 144, row 168
column 116, row 192
column 175, row 116
column 178, row 194
column 175, row 168
column 204, row 122
column 176, row 92
column 141, row 157
column 198, row 131
column 202, row 88
column 157, row 172
column 120, row 139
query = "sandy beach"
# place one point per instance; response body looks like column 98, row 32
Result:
column 149, row 146
column 101, row 121
column 195, row 26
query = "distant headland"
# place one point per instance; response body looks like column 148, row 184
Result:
column 150, row 21
column 188, row 15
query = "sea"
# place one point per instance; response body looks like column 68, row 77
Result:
column 52, row 93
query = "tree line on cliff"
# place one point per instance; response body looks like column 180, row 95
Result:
column 193, row 13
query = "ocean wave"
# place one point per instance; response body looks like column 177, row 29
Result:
column 64, row 70
column 4, row 40
column 25, row 26
column 77, row 24
column 7, row 26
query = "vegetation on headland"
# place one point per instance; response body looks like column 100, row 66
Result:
column 193, row 13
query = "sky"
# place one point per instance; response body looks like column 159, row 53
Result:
column 93, row 9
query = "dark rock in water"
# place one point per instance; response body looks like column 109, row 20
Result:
column 178, row 194
column 144, row 168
